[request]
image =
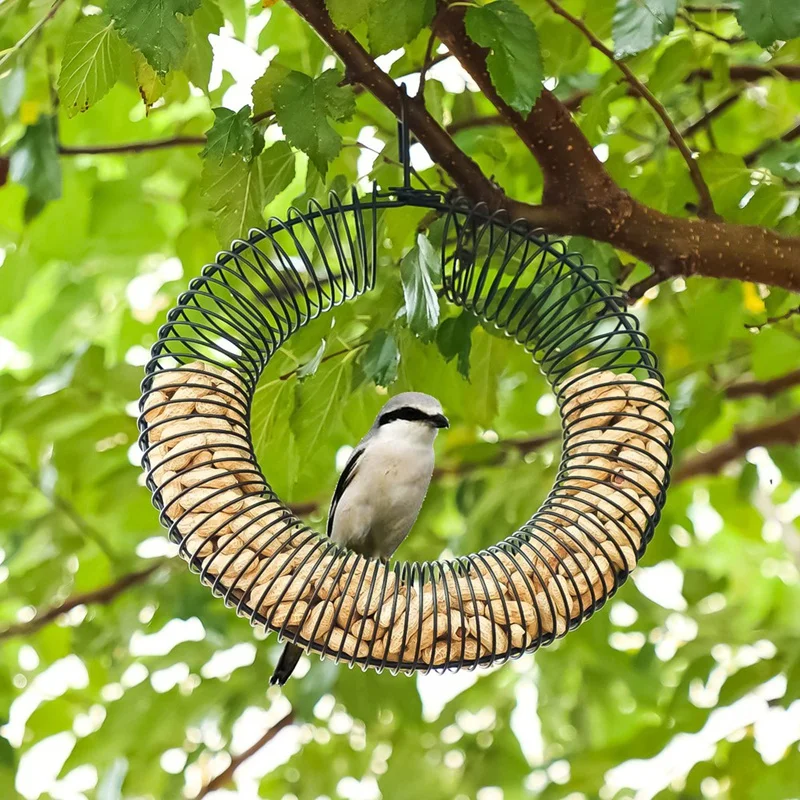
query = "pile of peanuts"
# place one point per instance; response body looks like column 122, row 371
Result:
column 535, row 586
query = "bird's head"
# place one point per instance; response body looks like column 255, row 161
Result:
column 413, row 408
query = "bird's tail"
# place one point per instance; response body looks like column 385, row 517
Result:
column 286, row 664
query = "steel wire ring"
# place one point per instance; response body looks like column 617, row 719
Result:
column 544, row 579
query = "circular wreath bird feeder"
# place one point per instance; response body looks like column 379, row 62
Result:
column 535, row 585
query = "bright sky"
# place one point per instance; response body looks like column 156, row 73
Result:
column 775, row 728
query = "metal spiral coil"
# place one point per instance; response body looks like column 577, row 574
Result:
column 548, row 576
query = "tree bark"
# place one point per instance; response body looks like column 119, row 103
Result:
column 579, row 197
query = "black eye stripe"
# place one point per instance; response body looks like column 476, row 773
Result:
column 406, row 413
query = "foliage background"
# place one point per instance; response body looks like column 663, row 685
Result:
column 147, row 685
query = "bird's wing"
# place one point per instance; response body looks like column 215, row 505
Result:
column 348, row 473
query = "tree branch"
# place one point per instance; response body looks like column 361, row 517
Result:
column 783, row 431
column 468, row 123
column 772, row 320
column 580, row 197
column 789, row 136
column 763, row 388
column 569, row 166
column 226, row 776
column 360, row 67
column 101, row 596
column 696, row 26
column 31, row 33
column 427, row 62
column 704, row 120
column 131, row 147
column 692, row 9
column 706, row 204
column 64, row 506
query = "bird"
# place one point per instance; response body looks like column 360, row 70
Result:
column 380, row 492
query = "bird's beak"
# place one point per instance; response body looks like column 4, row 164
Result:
column 440, row 421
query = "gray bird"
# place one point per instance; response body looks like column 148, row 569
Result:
column 381, row 489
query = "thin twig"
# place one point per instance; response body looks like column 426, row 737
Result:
column 789, row 136
column 226, row 776
column 131, row 147
column 638, row 290
column 737, row 445
column 426, row 65
column 689, row 129
column 32, row 32
column 101, row 596
column 772, row 320
column 767, row 389
column 694, row 25
column 262, row 116
column 706, row 204
column 704, row 120
column 692, row 9
column 701, row 98
column 64, row 506
column 489, row 121
column 343, row 352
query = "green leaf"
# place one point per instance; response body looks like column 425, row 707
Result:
column 207, row 20
column 264, row 88
column 319, row 402
column 151, row 86
column 639, row 24
column 273, row 406
column 381, row 359
column 347, row 14
column 312, row 365
column 153, row 27
column 492, row 148
column 515, row 61
column 393, row 23
column 34, row 164
column 235, row 190
column 232, row 134
column 12, row 90
column 487, row 364
column 304, row 107
column 598, row 254
column 454, row 339
column 783, row 159
column 278, row 168
column 420, row 269
column 90, row 65
column 767, row 21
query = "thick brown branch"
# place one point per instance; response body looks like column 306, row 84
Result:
column 569, row 165
column 783, row 431
column 706, row 204
column 226, row 776
column 361, row 68
column 763, row 388
column 101, row 596
column 580, row 197
column 676, row 246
